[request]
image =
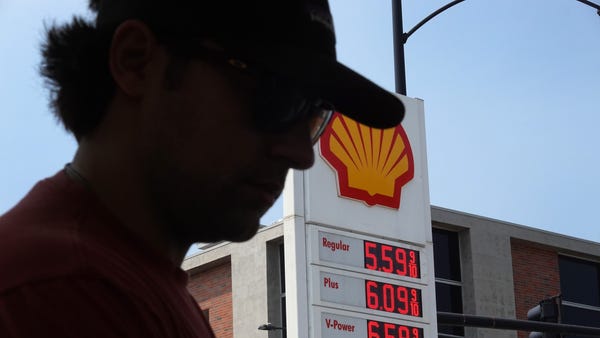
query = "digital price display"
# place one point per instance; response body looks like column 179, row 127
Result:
column 368, row 294
column 392, row 259
column 373, row 280
column 377, row 329
column 340, row 326
column 365, row 254
column 393, row 298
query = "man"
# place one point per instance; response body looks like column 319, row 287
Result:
column 188, row 115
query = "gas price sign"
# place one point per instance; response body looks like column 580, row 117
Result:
column 371, row 255
column 393, row 298
column 379, row 283
column 358, row 239
column 368, row 294
column 392, row 259
column 333, row 325
column 377, row 329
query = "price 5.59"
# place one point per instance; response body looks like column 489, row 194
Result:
column 392, row 259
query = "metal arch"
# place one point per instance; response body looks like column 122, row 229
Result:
column 400, row 37
column 406, row 35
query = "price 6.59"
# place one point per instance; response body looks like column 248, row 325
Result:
column 388, row 330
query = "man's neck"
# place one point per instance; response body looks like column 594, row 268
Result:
column 118, row 186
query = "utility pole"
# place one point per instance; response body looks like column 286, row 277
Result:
column 400, row 37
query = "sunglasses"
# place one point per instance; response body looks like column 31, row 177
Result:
column 279, row 104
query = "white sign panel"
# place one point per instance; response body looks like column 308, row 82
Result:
column 336, row 326
column 324, row 205
column 333, row 325
column 392, row 259
column 340, row 249
column 372, row 295
column 357, row 234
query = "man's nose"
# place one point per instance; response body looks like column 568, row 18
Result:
column 293, row 146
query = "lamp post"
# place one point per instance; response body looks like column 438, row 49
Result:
column 400, row 37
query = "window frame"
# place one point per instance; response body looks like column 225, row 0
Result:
column 573, row 304
column 452, row 282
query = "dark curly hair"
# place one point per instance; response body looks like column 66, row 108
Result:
column 75, row 67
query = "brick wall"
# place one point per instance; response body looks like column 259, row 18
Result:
column 212, row 290
column 535, row 274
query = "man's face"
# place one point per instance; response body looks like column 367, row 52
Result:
column 209, row 174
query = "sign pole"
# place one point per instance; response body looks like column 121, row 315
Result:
column 399, row 63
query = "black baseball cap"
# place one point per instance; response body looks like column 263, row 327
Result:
column 291, row 38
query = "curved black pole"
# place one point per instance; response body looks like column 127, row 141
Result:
column 399, row 64
column 591, row 4
column 405, row 36
column 400, row 37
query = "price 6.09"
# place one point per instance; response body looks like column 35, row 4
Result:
column 393, row 298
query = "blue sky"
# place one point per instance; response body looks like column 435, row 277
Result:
column 510, row 87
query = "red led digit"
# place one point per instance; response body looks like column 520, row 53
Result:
column 413, row 270
column 415, row 333
column 388, row 298
column 385, row 251
column 402, row 296
column 401, row 261
column 372, row 297
column 369, row 255
column 373, row 329
column 415, row 309
column 403, row 332
column 388, row 330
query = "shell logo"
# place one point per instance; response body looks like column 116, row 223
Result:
column 372, row 165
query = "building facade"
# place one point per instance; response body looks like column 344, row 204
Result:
column 483, row 267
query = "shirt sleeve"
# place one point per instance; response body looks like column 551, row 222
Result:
column 76, row 307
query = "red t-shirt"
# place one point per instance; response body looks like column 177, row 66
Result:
column 69, row 269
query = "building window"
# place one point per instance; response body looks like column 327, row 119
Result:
column 448, row 281
column 276, row 287
column 580, row 290
column 282, row 288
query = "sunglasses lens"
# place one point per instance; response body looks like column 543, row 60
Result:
column 279, row 106
column 319, row 122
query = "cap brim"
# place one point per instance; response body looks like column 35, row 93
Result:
column 351, row 93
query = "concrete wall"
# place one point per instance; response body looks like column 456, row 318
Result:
column 486, row 266
column 248, row 279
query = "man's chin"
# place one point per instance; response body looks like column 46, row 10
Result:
column 234, row 232
column 230, row 226
column 244, row 234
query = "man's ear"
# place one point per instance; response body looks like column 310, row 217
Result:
column 132, row 50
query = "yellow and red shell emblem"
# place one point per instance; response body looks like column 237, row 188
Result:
column 372, row 165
